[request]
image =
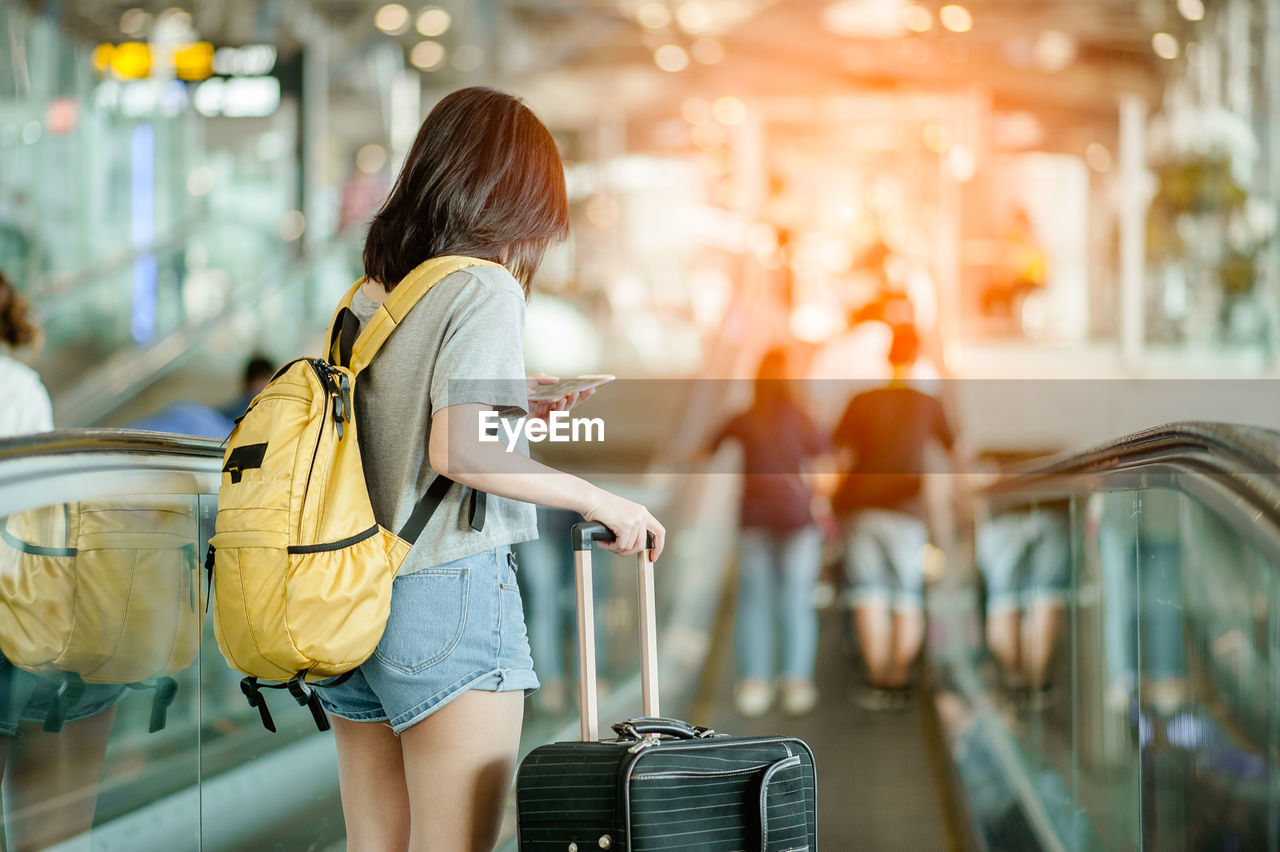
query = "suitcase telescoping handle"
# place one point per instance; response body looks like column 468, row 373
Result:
column 584, row 535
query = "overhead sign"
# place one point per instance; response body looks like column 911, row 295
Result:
column 136, row 60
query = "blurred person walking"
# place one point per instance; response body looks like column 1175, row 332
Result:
column 427, row 729
column 27, row 406
column 882, row 513
column 780, row 546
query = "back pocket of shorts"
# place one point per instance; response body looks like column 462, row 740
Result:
column 428, row 614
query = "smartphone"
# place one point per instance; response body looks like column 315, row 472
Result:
column 564, row 387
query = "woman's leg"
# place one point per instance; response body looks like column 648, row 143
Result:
column 54, row 782
column 754, row 624
column 800, row 560
column 458, row 765
column 371, row 777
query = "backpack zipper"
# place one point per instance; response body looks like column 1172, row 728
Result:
column 325, row 374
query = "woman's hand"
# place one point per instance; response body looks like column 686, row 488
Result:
column 629, row 522
column 539, row 410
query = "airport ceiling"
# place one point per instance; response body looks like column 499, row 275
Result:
column 1068, row 57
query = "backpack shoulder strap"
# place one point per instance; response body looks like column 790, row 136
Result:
column 342, row 318
column 406, row 294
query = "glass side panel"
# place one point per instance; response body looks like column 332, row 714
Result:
column 1206, row 672
column 100, row 622
column 1104, row 529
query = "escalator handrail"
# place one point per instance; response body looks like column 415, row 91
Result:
column 133, row 441
column 1242, row 449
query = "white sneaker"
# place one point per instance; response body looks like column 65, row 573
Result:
column 799, row 697
column 754, row 698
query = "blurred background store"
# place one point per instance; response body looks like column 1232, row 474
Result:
column 1074, row 203
column 1052, row 190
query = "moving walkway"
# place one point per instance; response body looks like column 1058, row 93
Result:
column 1159, row 730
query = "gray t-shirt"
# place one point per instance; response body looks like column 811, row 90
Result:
column 461, row 343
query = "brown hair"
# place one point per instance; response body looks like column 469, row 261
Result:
column 483, row 178
column 17, row 327
column 773, row 383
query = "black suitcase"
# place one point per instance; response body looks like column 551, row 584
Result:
column 662, row 784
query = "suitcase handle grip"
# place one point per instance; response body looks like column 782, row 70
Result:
column 641, row 725
column 588, row 532
column 584, row 534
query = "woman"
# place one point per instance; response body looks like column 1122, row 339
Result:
column 27, row 408
column 780, row 547
column 427, row 730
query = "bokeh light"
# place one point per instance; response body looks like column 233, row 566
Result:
column 693, row 17
column 729, row 110
column 671, row 57
column 200, row 181
column 292, row 225
column 917, row 18
column 958, row 19
column 371, row 158
column 1098, row 156
column 392, row 19
column 1165, row 45
column 135, row 22
column 427, row 55
column 654, row 16
column 1192, row 10
column 433, row 21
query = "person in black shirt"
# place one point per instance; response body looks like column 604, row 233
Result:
column 780, row 546
column 882, row 514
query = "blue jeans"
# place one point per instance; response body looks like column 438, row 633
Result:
column 776, row 575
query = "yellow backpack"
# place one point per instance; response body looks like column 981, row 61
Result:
column 102, row 592
column 301, row 571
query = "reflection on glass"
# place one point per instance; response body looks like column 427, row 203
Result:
column 1157, row 637
column 1023, row 558
column 98, row 599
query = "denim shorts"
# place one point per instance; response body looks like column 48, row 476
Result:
column 452, row 628
column 27, row 697
column 884, row 559
column 1024, row 558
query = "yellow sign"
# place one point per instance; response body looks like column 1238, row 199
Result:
column 134, row 60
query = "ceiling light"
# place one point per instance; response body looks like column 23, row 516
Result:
column 1165, row 46
column 956, row 18
column 693, row 17
column 671, row 57
column 729, row 110
column 1192, row 10
column 917, row 18
column 433, row 21
column 1195, row 54
column 392, row 19
column 708, row 51
column 427, row 55
column 654, row 16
